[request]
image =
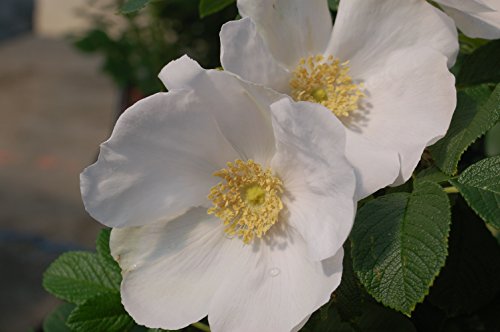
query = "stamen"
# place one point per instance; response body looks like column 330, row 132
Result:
column 327, row 82
column 247, row 201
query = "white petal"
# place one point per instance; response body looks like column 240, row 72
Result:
column 244, row 52
column 376, row 166
column 172, row 270
column 278, row 291
column 477, row 24
column 291, row 28
column 157, row 163
column 474, row 6
column 367, row 31
column 318, row 180
column 412, row 102
column 240, row 108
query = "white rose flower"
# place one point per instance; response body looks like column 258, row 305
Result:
column 382, row 70
column 475, row 18
column 224, row 204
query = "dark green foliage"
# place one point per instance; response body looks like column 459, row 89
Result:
column 478, row 110
column 399, row 244
column 209, row 7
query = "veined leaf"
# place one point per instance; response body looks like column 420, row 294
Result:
column 79, row 276
column 482, row 66
column 480, row 186
column 399, row 244
column 477, row 111
column 101, row 313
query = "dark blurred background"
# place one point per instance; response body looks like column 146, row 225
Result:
column 67, row 70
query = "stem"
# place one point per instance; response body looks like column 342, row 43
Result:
column 201, row 326
column 451, row 190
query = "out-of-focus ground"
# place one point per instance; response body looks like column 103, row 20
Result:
column 55, row 108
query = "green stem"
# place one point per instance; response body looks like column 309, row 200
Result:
column 451, row 190
column 201, row 326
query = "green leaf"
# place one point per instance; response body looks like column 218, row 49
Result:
column 492, row 141
column 132, row 6
column 470, row 279
column 333, row 5
column 79, row 276
column 56, row 320
column 105, row 258
column 399, row 244
column 101, row 313
column 209, row 7
column 480, row 186
column 478, row 110
column 349, row 296
column 432, row 174
column 482, row 66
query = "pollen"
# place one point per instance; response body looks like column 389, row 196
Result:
column 247, row 200
column 326, row 81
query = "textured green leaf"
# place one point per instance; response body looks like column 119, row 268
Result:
column 350, row 295
column 399, row 244
column 131, row 6
column 209, row 7
column 56, row 320
column 480, row 186
column 492, row 141
column 101, row 313
column 470, row 279
column 478, row 110
column 79, row 276
column 105, row 258
column 432, row 174
column 482, row 66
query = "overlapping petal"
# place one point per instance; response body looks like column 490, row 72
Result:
column 249, row 55
column 152, row 180
column 282, row 288
column 373, row 36
column 366, row 32
column 320, row 182
column 240, row 108
column 411, row 105
column 475, row 18
column 291, row 28
column 158, row 162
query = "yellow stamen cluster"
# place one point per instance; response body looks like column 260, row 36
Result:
column 326, row 81
column 247, row 201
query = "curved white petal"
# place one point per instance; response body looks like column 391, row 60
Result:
column 240, row 108
column 157, row 163
column 484, row 24
column 292, row 29
column 245, row 53
column 318, row 180
column 411, row 105
column 473, row 6
column 278, row 291
column 171, row 270
column 376, row 166
column 367, row 31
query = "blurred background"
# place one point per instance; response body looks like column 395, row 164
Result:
column 67, row 70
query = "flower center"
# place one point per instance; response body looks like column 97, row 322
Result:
column 247, row 200
column 326, row 81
